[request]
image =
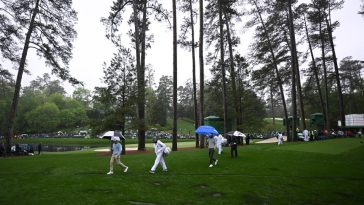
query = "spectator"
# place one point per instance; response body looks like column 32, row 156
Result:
column 247, row 139
column 234, row 147
column 280, row 138
column 305, row 135
column 2, row 149
column 39, row 148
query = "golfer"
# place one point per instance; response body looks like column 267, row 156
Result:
column 159, row 148
column 211, row 142
column 116, row 151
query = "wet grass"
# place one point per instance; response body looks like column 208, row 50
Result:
column 295, row 173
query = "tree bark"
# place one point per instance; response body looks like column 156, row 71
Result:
column 123, row 109
column 298, row 77
column 14, row 104
column 140, row 77
column 194, row 74
column 222, row 64
column 315, row 72
column 278, row 76
column 300, row 96
column 240, row 90
column 337, row 76
column 202, row 143
column 272, row 104
column 322, row 38
column 174, row 143
column 232, row 73
column 294, row 69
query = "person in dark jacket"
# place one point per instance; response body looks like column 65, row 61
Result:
column 39, row 148
column 234, row 147
column 247, row 139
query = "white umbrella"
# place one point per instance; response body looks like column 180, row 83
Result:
column 236, row 133
column 114, row 135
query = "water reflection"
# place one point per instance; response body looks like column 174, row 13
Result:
column 56, row 148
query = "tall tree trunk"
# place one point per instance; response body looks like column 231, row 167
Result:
column 322, row 38
column 315, row 71
column 300, row 96
column 294, row 70
column 272, row 103
column 194, row 74
column 2, row 86
column 140, row 77
column 339, row 89
column 14, row 104
column 202, row 143
column 298, row 78
column 240, row 90
column 278, row 76
column 232, row 73
column 123, row 106
column 174, row 144
column 222, row 64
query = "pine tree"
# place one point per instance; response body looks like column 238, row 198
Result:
column 48, row 27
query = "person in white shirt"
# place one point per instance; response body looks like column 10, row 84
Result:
column 115, row 157
column 305, row 135
column 159, row 148
column 280, row 138
column 219, row 141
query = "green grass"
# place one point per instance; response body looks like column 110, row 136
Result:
column 325, row 172
column 269, row 126
column 67, row 141
column 326, row 147
column 184, row 126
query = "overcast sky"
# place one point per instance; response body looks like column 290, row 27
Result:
column 91, row 48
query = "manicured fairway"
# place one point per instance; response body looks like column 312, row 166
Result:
column 325, row 172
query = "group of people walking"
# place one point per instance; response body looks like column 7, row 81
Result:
column 160, row 149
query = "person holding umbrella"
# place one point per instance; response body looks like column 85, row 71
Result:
column 159, row 148
column 209, row 131
column 115, row 157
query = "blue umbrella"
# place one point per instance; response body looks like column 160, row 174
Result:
column 206, row 130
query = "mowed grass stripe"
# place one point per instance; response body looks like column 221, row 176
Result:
column 331, row 146
column 262, row 174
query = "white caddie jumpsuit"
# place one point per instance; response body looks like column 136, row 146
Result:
column 159, row 149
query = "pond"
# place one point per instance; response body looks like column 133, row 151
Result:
column 57, row 148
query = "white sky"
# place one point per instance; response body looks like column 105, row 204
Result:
column 91, row 48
